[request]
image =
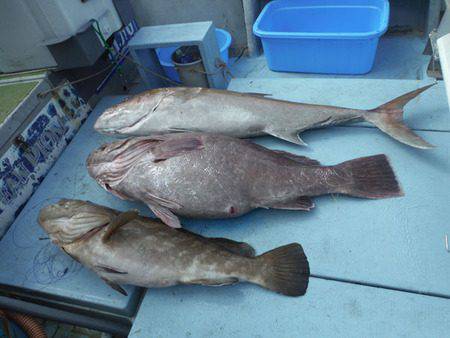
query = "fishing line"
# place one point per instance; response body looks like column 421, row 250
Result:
column 50, row 265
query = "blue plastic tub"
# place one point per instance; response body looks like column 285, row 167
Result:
column 322, row 36
column 164, row 54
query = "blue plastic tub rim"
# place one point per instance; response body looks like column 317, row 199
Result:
column 323, row 35
column 227, row 36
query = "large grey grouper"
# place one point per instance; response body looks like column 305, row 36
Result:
column 216, row 176
column 168, row 110
column 147, row 253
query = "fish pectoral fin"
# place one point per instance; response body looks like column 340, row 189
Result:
column 121, row 219
column 183, row 130
column 297, row 158
column 165, row 215
column 239, row 248
column 108, row 269
column 117, row 193
column 301, row 203
column 115, row 286
column 162, row 201
column 176, row 146
column 286, row 134
column 214, row 282
column 257, row 94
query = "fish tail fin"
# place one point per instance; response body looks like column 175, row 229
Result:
column 389, row 118
column 370, row 177
column 285, row 270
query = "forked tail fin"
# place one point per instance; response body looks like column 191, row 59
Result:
column 389, row 118
column 286, row 270
column 369, row 177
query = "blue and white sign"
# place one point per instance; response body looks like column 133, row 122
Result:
column 24, row 165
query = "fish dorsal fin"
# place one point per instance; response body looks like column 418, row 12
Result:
column 298, row 158
column 287, row 135
column 239, row 248
column 302, row 203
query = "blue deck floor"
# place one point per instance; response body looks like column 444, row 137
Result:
column 330, row 309
column 380, row 268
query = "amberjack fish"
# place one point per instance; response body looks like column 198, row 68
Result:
column 179, row 109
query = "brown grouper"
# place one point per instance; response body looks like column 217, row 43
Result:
column 215, row 176
column 167, row 110
column 147, row 253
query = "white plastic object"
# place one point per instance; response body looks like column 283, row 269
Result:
column 443, row 44
column 61, row 19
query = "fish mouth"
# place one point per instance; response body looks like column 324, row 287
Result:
column 107, row 131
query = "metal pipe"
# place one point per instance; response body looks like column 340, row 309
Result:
column 251, row 9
